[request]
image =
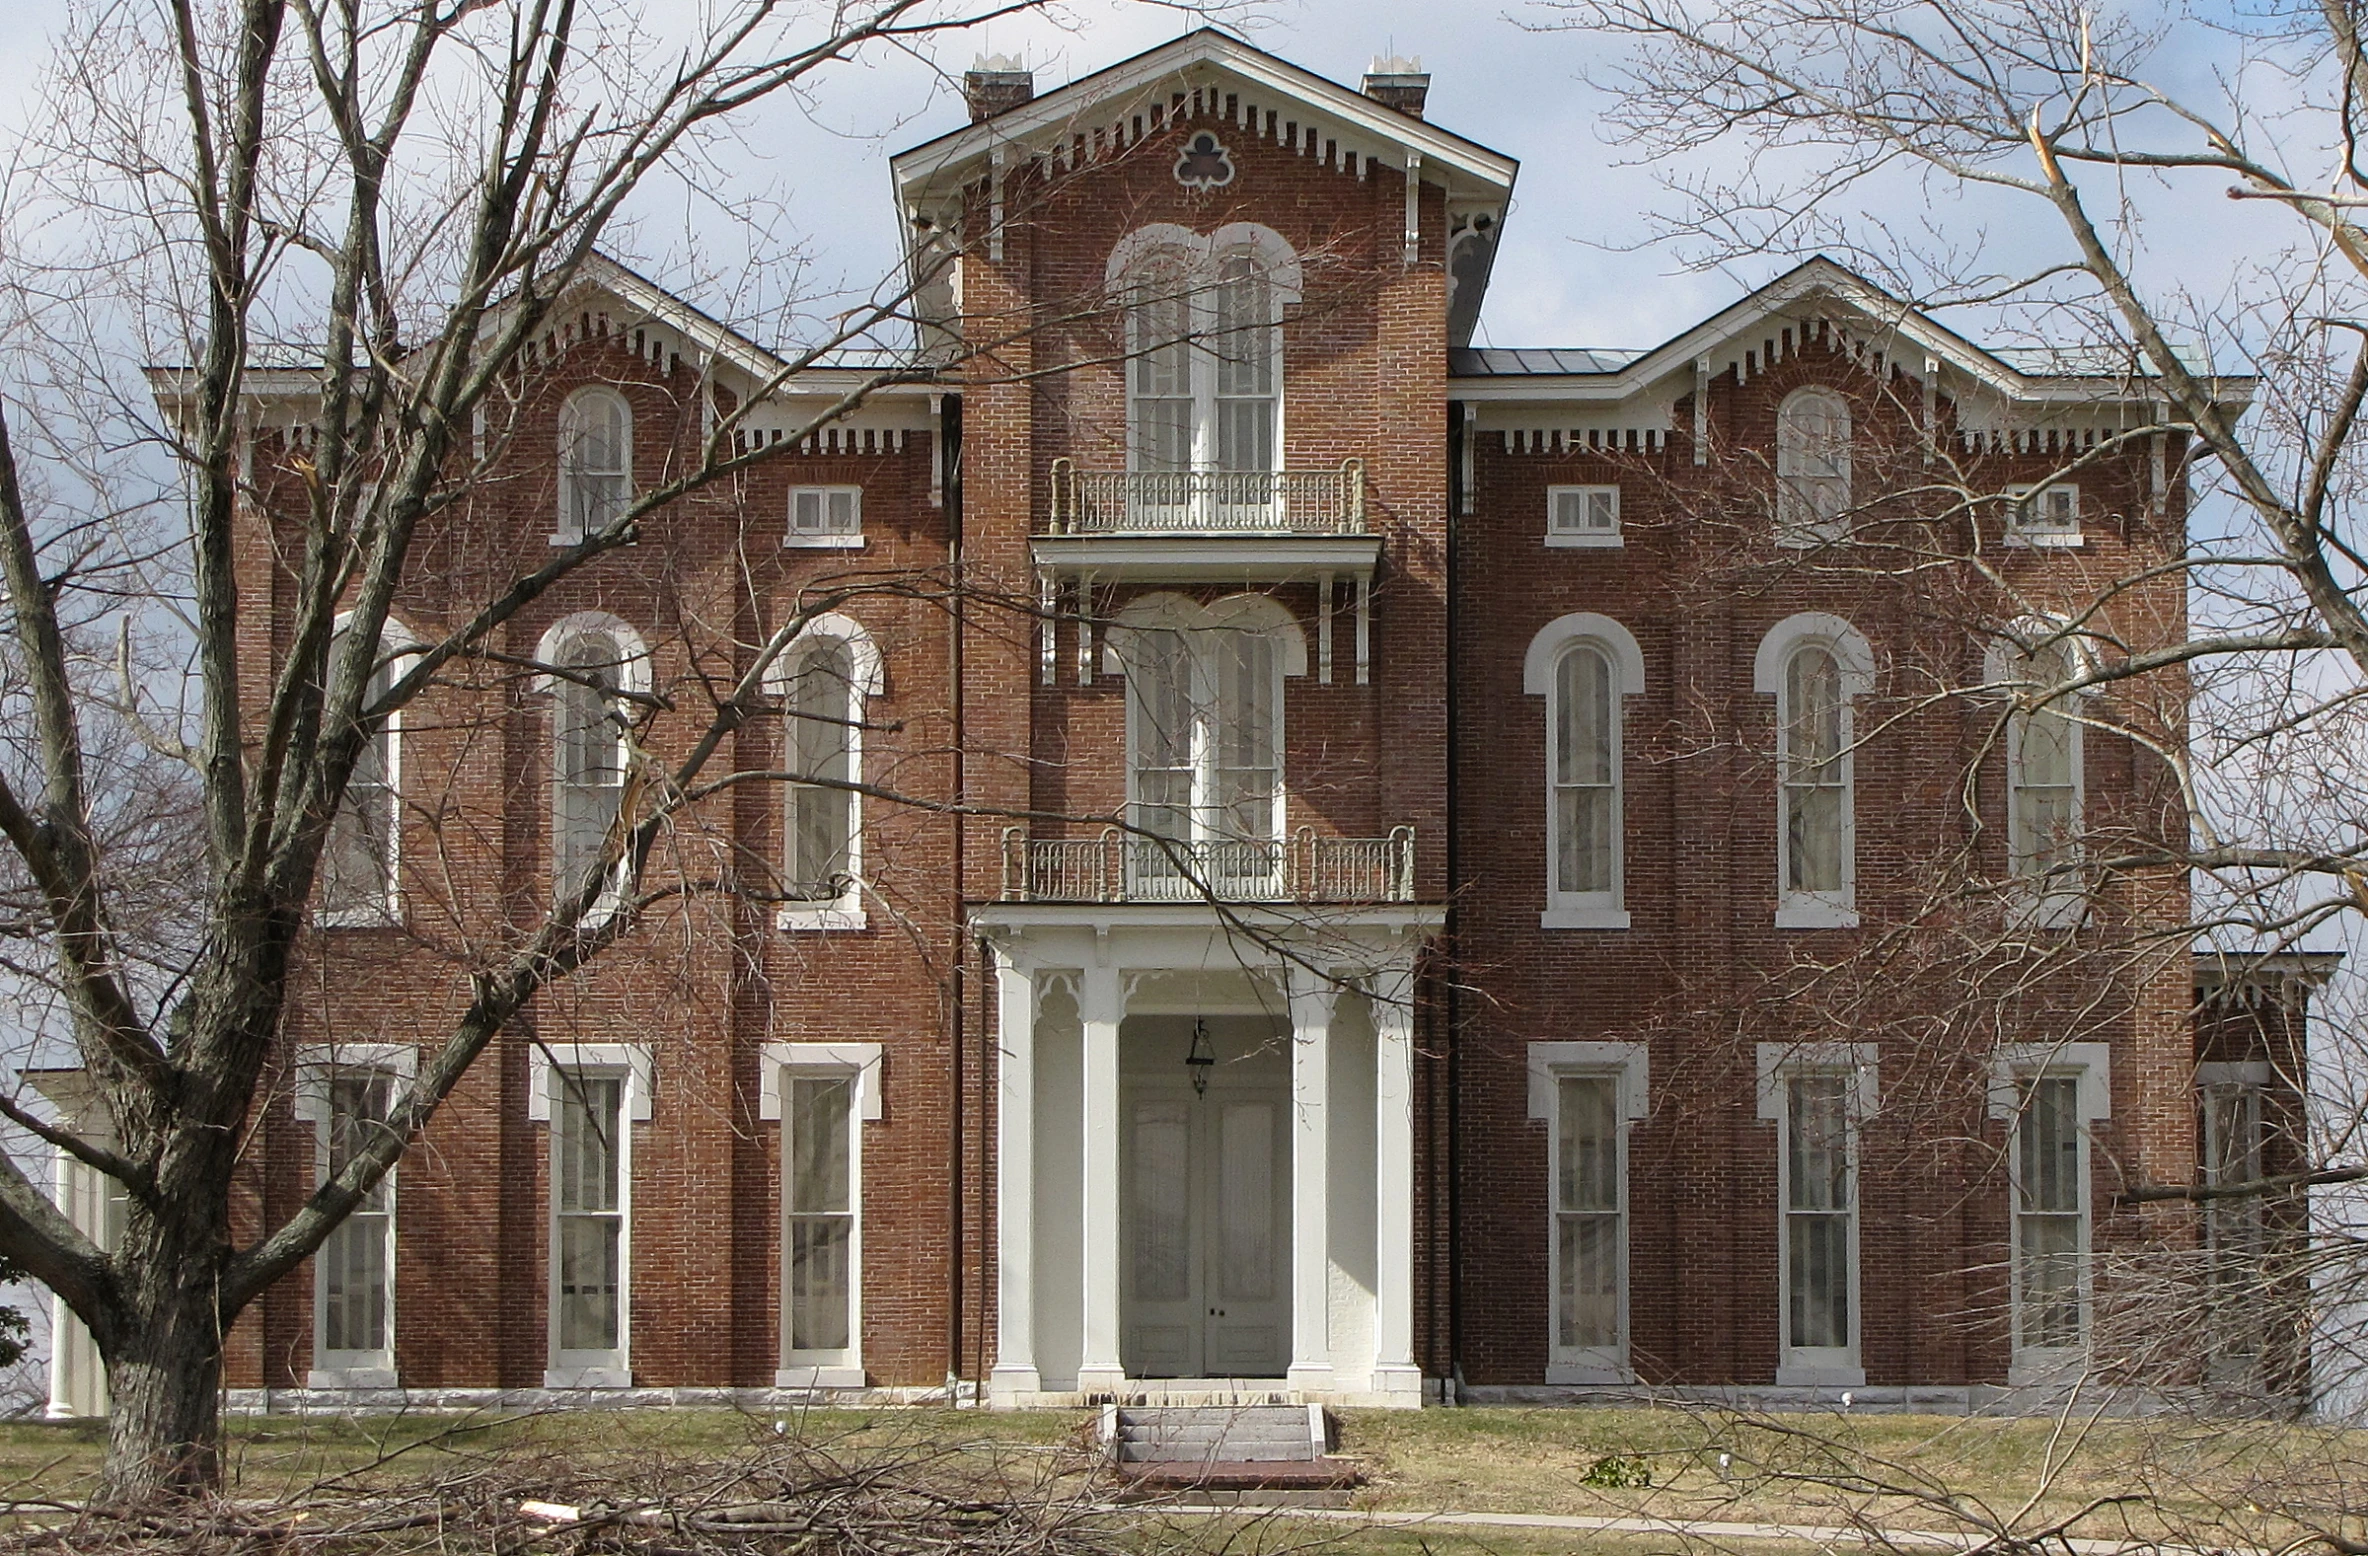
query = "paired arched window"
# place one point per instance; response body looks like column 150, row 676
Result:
column 1812, row 466
column 1205, row 733
column 823, row 679
column 594, row 660
column 358, row 868
column 1204, row 346
column 1814, row 665
column 595, row 462
column 1583, row 665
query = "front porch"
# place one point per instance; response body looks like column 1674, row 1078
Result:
column 1205, row 1154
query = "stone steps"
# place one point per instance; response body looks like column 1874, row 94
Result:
column 1223, row 1447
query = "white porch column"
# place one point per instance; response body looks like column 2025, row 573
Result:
column 1098, row 1012
column 1311, row 1241
column 1394, row 1372
column 1015, row 1183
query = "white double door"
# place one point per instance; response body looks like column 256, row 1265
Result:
column 1205, row 1233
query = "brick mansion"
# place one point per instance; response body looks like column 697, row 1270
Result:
column 1289, row 856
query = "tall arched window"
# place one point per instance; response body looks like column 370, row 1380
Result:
column 595, row 462
column 358, row 869
column 1812, row 466
column 823, row 680
column 1584, row 665
column 1205, row 737
column 1204, row 346
column 595, row 658
column 1815, row 665
column 2043, row 767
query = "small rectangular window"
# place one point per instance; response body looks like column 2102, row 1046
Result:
column 818, row 1236
column 1582, row 516
column 826, row 516
column 355, row 1267
column 1590, row 1223
column 587, row 1219
column 2045, row 515
column 2050, row 1220
column 1820, row 1232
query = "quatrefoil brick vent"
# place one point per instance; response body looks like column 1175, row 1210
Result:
column 1204, row 163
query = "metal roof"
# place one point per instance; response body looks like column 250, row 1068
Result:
column 1508, row 361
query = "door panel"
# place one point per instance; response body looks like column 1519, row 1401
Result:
column 1207, row 1234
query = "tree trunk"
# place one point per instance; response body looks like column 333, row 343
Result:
column 164, row 1382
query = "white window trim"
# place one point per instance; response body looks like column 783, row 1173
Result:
column 563, row 529
column 633, row 676
column 1803, row 536
column 2017, row 535
column 868, row 680
column 395, row 641
column 1258, row 613
column 315, row 1063
column 1539, row 667
column 2013, row 1063
column 1549, row 1063
column 860, row 1061
column 2061, row 904
column 1585, row 540
column 1778, row 1063
column 852, row 540
column 1817, row 910
column 1279, row 263
column 634, row 1064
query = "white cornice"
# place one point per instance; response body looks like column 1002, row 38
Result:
column 1061, row 108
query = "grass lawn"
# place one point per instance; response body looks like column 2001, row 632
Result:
column 2195, row 1479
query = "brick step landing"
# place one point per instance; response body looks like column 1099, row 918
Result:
column 1205, row 1448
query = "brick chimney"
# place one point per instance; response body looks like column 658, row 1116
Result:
column 1398, row 83
column 994, row 83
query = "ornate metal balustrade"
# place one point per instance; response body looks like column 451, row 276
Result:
column 1118, row 866
column 1206, row 502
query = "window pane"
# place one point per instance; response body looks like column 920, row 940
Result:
column 1161, row 1200
column 1245, row 668
column 1813, row 839
column 584, row 1116
column 2047, row 1139
column 1819, row 1266
column 1588, row 1175
column 590, row 1276
column 1245, row 1193
column 842, row 512
column 820, row 1283
column 806, row 512
column 1582, row 748
column 2048, row 1253
column 1585, row 751
column 818, row 1143
column 357, row 857
column 1588, row 1282
column 353, row 1274
column 822, row 708
column 1819, row 1141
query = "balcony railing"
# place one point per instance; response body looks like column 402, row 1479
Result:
column 1128, row 867
column 1203, row 502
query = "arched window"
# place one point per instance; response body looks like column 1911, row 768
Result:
column 1584, row 665
column 594, row 658
column 2043, row 766
column 822, row 680
column 1812, row 466
column 359, row 858
column 1205, row 738
column 1814, row 665
column 595, row 462
column 1204, row 347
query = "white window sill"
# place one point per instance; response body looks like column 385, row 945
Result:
column 1820, row 1375
column 2045, row 1368
column 1809, row 913
column 1584, row 542
column 588, row 1377
column 834, row 1376
column 2051, row 907
column 1809, row 539
column 358, row 918
column 359, row 1377
column 1574, row 1373
column 823, row 542
column 821, row 919
column 2045, row 540
column 1584, row 918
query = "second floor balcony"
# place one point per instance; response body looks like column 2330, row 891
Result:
column 1181, row 524
column 1118, row 866
column 1206, row 502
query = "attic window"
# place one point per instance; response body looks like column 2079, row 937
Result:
column 1204, row 163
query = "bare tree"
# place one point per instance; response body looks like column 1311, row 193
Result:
column 387, row 211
